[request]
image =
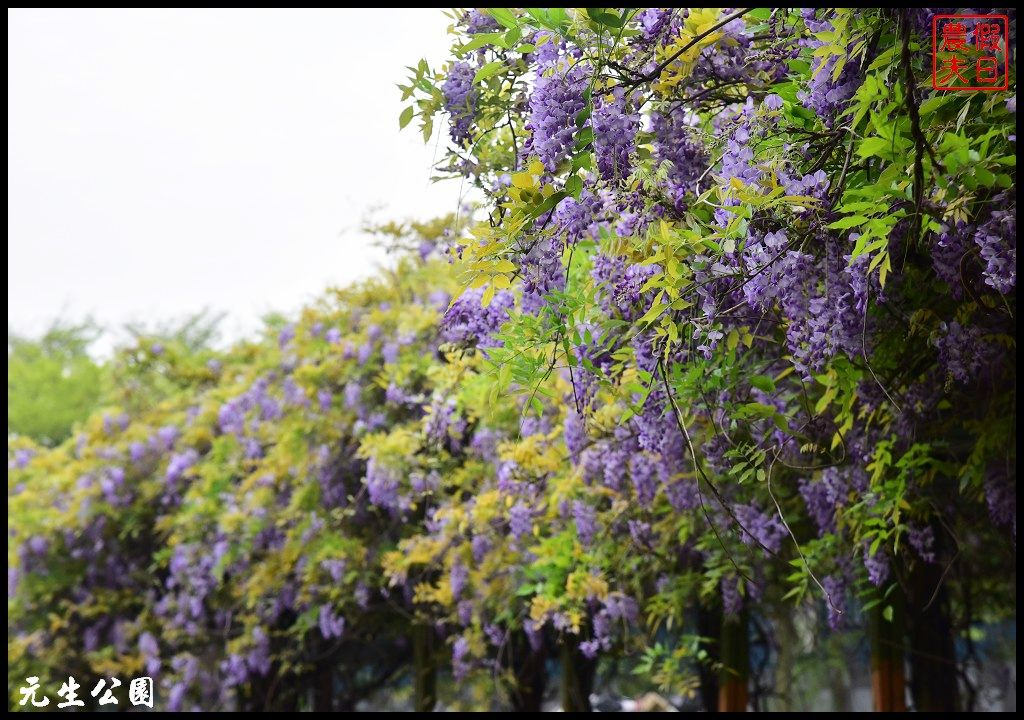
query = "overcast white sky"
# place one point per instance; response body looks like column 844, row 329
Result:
column 163, row 161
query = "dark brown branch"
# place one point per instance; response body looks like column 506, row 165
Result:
column 675, row 56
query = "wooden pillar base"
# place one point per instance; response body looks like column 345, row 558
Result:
column 888, row 678
column 424, row 668
column 733, row 695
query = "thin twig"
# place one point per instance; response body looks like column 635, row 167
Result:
column 675, row 56
column 796, row 543
column 700, row 471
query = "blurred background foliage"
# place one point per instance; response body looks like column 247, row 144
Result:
column 56, row 379
column 52, row 381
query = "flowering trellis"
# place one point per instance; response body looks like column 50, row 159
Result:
column 777, row 271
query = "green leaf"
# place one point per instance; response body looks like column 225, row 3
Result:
column 847, row 222
column 756, row 409
column 654, row 312
column 984, row 177
column 883, row 59
column 732, row 340
column 934, row 103
column 856, row 207
column 488, row 296
column 522, row 180
column 548, row 204
column 504, row 16
column 491, row 68
column 406, row 117
column 604, row 18
column 584, row 137
column 559, row 17
column 480, row 41
column 874, row 146
column 583, row 161
column 541, row 16
column 574, row 186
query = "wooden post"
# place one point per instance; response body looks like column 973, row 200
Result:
column 424, row 668
column 888, row 680
column 528, row 668
column 735, row 654
column 709, row 625
column 577, row 677
column 933, row 669
column 786, row 637
column 323, row 691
